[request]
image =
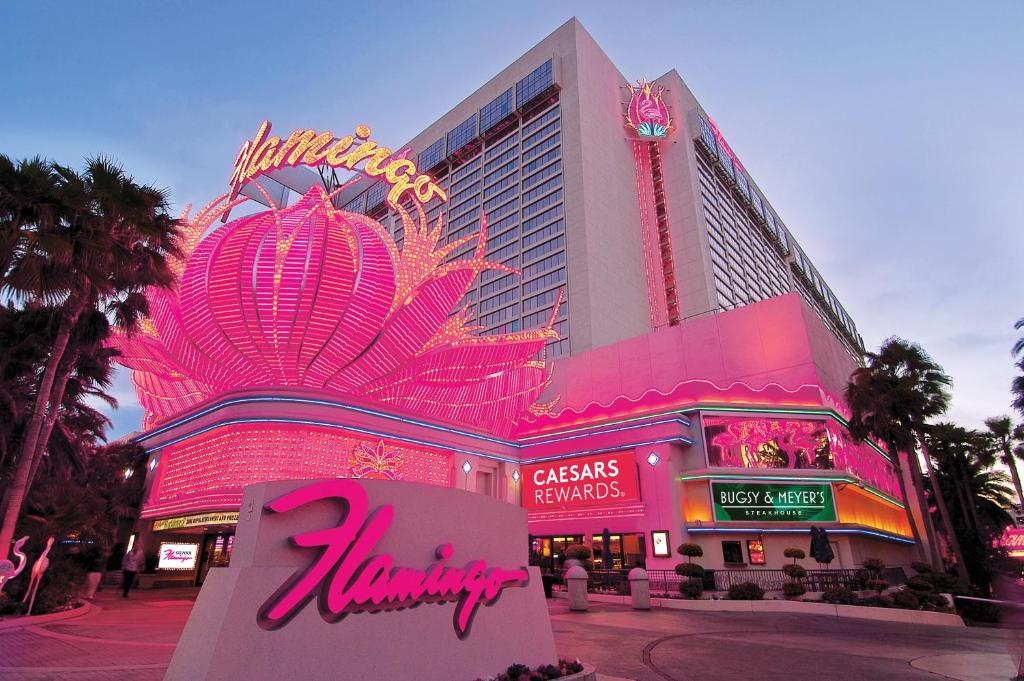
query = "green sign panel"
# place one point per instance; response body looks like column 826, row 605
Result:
column 769, row 502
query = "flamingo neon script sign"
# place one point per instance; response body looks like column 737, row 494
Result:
column 351, row 580
column 266, row 152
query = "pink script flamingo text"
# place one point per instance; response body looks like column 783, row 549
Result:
column 350, row 580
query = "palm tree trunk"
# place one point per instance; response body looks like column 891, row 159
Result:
column 965, row 484
column 914, row 471
column 45, row 397
column 906, row 507
column 51, row 417
column 1011, row 463
column 954, row 542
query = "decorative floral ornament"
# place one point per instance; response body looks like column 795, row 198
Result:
column 647, row 112
column 376, row 462
column 314, row 297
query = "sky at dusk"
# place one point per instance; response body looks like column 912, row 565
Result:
column 886, row 135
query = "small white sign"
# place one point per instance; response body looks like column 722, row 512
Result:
column 178, row 556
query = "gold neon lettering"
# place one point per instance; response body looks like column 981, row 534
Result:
column 316, row 152
column 364, row 150
column 334, row 154
column 265, row 153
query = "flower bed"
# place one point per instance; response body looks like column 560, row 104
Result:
column 565, row 669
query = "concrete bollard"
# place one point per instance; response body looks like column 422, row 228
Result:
column 576, row 581
column 640, row 588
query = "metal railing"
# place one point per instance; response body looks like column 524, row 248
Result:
column 667, row 581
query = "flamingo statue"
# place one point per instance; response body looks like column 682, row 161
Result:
column 36, row 576
column 7, row 569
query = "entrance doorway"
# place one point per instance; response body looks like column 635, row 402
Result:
column 549, row 552
column 216, row 553
column 628, row 550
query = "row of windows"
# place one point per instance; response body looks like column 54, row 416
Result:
column 540, row 134
column 501, row 146
column 757, row 271
column 547, row 247
column 545, row 118
column 507, row 181
column 542, row 189
column 542, row 174
column 538, row 220
column 542, row 203
column 543, row 146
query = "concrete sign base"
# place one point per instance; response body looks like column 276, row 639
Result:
column 359, row 620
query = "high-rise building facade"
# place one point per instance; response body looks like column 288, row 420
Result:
column 541, row 150
column 694, row 360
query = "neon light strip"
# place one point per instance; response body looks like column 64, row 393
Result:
column 800, row 530
column 422, row 443
column 790, row 478
column 719, row 408
column 414, row 422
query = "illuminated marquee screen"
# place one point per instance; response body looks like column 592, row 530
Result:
column 178, row 556
column 738, row 442
column 598, row 480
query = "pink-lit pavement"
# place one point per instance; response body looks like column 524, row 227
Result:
column 132, row 639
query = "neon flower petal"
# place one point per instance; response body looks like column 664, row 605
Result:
column 313, row 297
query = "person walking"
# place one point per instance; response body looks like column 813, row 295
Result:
column 131, row 565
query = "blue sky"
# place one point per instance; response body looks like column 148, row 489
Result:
column 886, row 135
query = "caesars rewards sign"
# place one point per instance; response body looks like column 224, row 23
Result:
column 584, row 481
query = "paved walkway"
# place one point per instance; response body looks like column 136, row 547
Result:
column 133, row 640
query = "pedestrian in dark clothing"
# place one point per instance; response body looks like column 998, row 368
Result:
column 132, row 565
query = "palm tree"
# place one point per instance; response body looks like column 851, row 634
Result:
column 84, row 244
column 1004, row 438
column 891, row 399
column 976, row 494
column 957, row 451
column 1017, row 386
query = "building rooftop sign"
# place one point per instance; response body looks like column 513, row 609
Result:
column 647, row 112
column 265, row 153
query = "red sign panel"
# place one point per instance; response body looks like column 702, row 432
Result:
column 597, row 480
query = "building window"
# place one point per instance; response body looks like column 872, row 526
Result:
column 732, row 552
column 539, row 80
column 462, row 134
column 496, row 111
column 431, row 156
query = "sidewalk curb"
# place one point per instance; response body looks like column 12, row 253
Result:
column 796, row 607
column 35, row 620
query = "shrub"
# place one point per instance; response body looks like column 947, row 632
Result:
column 795, row 554
column 577, row 552
column 934, row 602
column 839, row 595
column 690, row 550
column 878, row 585
column 920, row 583
column 921, row 568
column 691, row 588
column 945, row 583
column 745, row 591
column 794, row 589
column 794, row 571
column 875, row 565
column 876, row 602
column 906, row 600
column 690, row 570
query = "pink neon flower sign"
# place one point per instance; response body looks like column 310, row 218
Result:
column 647, row 112
column 313, row 297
